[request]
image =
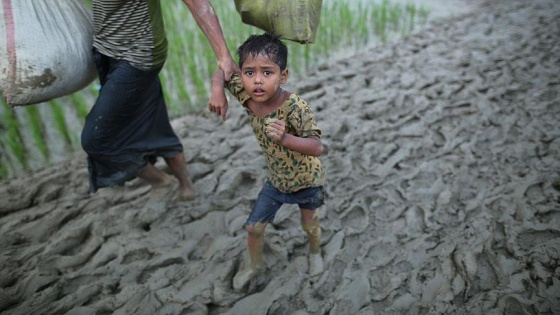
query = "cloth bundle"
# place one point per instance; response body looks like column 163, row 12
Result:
column 295, row 20
column 45, row 49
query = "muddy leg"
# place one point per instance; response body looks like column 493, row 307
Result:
column 178, row 167
column 255, row 244
column 153, row 176
column 310, row 224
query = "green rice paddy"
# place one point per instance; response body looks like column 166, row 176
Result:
column 33, row 137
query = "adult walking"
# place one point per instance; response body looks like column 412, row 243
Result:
column 128, row 127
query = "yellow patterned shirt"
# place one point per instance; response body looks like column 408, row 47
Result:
column 287, row 170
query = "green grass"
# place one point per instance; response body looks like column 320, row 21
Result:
column 37, row 131
column 59, row 121
column 345, row 26
column 12, row 155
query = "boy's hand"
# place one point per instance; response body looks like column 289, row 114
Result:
column 218, row 103
column 275, row 129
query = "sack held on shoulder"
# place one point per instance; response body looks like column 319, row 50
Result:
column 295, row 20
column 45, row 49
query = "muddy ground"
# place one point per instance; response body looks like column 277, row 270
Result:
column 443, row 180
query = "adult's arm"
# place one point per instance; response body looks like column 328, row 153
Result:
column 207, row 20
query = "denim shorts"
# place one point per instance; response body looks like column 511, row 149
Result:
column 271, row 199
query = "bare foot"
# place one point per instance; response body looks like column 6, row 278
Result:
column 186, row 194
column 166, row 181
column 315, row 264
column 242, row 277
column 178, row 167
column 162, row 193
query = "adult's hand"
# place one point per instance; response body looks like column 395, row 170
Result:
column 229, row 67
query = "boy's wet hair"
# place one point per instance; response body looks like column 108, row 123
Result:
column 267, row 44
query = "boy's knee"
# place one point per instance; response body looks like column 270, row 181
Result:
column 257, row 229
column 310, row 219
column 311, row 225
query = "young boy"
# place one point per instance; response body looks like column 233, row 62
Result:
column 289, row 138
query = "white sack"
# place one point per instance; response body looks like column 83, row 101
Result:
column 45, row 49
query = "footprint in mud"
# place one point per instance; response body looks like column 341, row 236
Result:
column 355, row 219
column 237, row 183
column 379, row 253
column 531, row 238
column 514, row 305
column 486, row 273
column 547, row 253
column 73, row 247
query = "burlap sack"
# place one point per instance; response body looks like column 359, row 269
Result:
column 45, row 49
column 295, row 20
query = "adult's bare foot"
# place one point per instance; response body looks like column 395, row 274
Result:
column 186, row 193
column 155, row 177
column 163, row 192
column 178, row 167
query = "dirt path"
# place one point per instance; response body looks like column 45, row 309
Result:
column 444, row 195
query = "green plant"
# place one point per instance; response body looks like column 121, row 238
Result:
column 60, row 124
column 12, row 155
column 36, row 128
column 345, row 25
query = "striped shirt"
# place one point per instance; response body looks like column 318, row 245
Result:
column 132, row 30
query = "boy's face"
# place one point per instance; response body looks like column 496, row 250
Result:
column 262, row 78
